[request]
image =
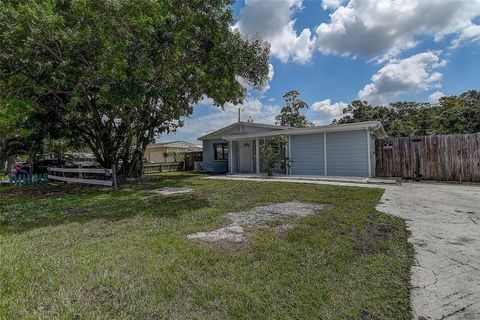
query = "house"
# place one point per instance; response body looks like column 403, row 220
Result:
column 159, row 152
column 333, row 150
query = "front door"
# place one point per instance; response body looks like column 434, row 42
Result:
column 245, row 156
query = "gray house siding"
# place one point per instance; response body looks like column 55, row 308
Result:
column 307, row 155
column 347, row 153
column 209, row 162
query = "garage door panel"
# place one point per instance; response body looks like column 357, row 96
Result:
column 347, row 153
column 307, row 154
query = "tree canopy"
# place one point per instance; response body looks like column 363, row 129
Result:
column 290, row 115
column 452, row 114
column 116, row 73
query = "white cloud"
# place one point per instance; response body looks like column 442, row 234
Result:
column 245, row 84
column 274, row 21
column 219, row 118
column 379, row 29
column 470, row 33
column 411, row 75
column 205, row 101
column 327, row 111
column 434, row 97
column 384, row 28
column 331, row 4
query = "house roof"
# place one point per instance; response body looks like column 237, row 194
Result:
column 374, row 126
column 219, row 133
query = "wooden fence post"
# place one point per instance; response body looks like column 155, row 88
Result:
column 114, row 177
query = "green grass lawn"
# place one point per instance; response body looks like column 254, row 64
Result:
column 92, row 253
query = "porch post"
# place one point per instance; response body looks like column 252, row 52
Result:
column 257, row 155
column 289, row 146
column 325, row 153
column 369, row 160
column 230, row 156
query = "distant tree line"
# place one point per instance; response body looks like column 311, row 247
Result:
column 452, row 114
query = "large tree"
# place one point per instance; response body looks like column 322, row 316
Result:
column 453, row 114
column 460, row 114
column 290, row 115
column 120, row 72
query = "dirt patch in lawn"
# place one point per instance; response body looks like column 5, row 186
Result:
column 257, row 218
column 168, row 191
column 374, row 234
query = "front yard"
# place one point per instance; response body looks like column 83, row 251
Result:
column 81, row 252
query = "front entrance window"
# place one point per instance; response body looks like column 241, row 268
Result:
column 220, row 151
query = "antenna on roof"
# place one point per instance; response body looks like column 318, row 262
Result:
column 238, row 114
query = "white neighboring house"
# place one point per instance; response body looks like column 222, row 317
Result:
column 159, row 152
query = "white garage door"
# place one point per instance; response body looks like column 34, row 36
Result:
column 156, row 157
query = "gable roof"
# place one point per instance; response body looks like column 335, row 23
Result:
column 220, row 132
column 375, row 126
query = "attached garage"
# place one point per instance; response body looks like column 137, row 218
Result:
column 306, row 153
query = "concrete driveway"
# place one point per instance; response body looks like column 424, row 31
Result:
column 444, row 220
column 445, row 224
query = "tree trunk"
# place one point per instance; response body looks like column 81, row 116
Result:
column 11, row 163
column 133, row 169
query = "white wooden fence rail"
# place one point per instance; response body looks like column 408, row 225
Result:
column 82, row 170
column 107, row 172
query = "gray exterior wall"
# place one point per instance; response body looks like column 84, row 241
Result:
column 307, row 155
column 209, row 162
column 347, row 153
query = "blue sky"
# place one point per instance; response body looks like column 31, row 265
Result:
column 335, row 51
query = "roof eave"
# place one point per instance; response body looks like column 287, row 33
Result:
column 216, row 134
column 372, row 125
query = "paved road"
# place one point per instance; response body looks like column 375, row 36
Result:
column 445, row 224
column 444, row 220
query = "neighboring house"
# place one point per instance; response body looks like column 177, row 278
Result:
column 333, row 150
column 159, row 152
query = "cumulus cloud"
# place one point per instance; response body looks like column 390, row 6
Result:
column 406, row 76
column 218, row 118
column 379, row 29
column 384, row 28
column 274, row 21
column 434, row 97
column 331, row 4
column 245, row 84
column 327, row 111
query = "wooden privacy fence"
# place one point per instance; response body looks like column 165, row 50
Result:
column 76, row 175
column 162, row 167
column 443, row 157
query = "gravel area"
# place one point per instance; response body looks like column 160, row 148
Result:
column 256, row 218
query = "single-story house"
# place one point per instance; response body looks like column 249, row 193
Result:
column 333, row 150
column 159, row 152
